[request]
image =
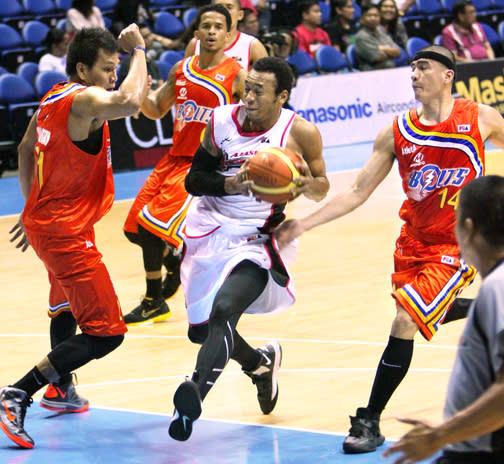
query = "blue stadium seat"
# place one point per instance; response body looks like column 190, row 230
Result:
column 39, row 7
column 482, row 5
column 61, row 24
column 329, row 59
column 12, row 49
column 46, row 79
column 448, row 4
column 429, row 7
column 357, row 12
column 164, row 68
column 403, row 59
column 63, row 5
column 491, row 34
column 106, row 6
column 415, row 44
column 168, row 24
column 189, row 15
column 28, row 71
column 11, row 8
column 437, row 40
column 351, row 57
column 162, row 3
column 171, row 56
column 3, row 70
column 326, row 12
column 14, row 89
column 34, row 32
column 304, row 63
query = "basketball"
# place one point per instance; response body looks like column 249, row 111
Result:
column 274, row 171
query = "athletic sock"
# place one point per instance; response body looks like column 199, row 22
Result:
column 31, row 382
column 154, row 288
column 459, row 310
column 393, row 366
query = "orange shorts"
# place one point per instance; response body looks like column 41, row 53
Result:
column 162, row 203
column 427, row 279
column 80, row 282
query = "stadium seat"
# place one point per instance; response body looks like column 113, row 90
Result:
column 12, row 49
column 168, row 25
column 415, row 44
column 304, row 63
column 34, row 32
column 352, row 59
column 491, row 34
column 482, row 5
column 437, row 40
column 329, row 59
column 28, row 71
column 326, row 12
column 63, row 5
column 429, row 7
column 164, row 68
column 357, row 12
column 189, row 15
column 171, row 56
column 418, row 26
column 162, row 3
column 61, row 24
column 3, row 70
column 46, row 79
column 403, row 59
column 43, row 10
column 448, row 4
column 106, row 6
column 14, row 89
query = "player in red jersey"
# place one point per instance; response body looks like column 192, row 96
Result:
column 65, row 172
column 195, row 85
column 439, row 149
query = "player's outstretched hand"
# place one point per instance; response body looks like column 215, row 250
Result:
column 240, row 182
column 288, row 231
column 18, row 232
column 130, row 37
column 418, row 444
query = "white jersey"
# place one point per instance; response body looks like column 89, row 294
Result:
column 239, row 49
column 223, row 231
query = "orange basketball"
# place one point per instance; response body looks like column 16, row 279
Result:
column 274, row 171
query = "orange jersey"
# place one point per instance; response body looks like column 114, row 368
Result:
column 198, row 92
column 72, row 189
column 435, row 162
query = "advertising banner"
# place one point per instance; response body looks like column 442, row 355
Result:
column 353, row 107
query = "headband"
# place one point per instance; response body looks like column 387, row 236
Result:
column 431, row 55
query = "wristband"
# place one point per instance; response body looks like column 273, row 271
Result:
column 137, row 48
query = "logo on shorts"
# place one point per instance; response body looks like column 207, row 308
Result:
column 447, row 259
column 89, row 244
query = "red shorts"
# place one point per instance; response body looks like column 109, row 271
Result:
column 162, row 203
column 427, row 279
column 80, row 282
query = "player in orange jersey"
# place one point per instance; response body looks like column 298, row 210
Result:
column 196, row 85
column 65, row 172
column 439, row 148
column 244, row 48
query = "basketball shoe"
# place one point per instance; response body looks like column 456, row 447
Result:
column 265, row 376
column 62, row 397
column 171, row 282
column 148, row 311
column 187, row 403
column 13, row 404
column 364, row 435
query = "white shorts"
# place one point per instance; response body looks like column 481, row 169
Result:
column 211, row 256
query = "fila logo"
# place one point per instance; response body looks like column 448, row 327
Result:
column 89, row 244
column 464, row 128
column 408, row 150
column 447, row 259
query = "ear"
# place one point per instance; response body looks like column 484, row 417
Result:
column 283, row 96
column 450, row 75
column 196, row 34
column 240, row 15
column 82, row 71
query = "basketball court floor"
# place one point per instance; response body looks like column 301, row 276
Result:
column 332, row 339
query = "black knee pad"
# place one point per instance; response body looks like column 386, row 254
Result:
column 100, row 346
column 198, row 333
column 132, row 237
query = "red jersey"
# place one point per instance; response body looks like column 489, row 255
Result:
column 435, row 162
column 72, row 189
column 198, row 91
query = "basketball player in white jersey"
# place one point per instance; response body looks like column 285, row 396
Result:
column 244, row 48
column 231, row 264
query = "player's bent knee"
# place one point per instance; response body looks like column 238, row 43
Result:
column 198, row 333
column 101, row 346
column 132, row 237
column 404, row 326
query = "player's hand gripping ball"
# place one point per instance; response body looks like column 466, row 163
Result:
column 274, row 172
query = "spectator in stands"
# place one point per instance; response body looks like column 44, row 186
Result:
column 262, row 11
column 391, row 22
column 83, row 14
column 342, row 29
column 156, row 44
column 56, row 42
column 249, row 23
column 373, row 48
column 309, row 34
column 131, row 11
column 464, row 36
column 280, row 43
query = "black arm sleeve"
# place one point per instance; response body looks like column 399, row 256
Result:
column 202, row 178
